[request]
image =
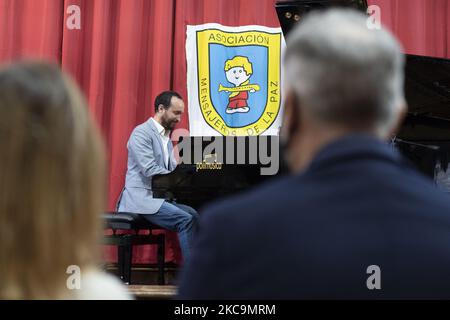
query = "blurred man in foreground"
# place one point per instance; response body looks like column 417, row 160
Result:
column 353, row 220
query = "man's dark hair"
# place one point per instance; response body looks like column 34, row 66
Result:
column 164, row 98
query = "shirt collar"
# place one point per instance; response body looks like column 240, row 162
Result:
column 162, row 131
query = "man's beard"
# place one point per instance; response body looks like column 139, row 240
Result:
column 168, row 124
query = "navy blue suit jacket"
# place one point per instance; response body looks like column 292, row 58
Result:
column 314, row 235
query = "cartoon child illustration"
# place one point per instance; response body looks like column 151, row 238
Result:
column 238, row 71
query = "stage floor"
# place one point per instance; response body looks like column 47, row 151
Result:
column 146, row 292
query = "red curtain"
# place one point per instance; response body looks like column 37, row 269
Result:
column 422, row 26
column 127, row 51
column 30, row 29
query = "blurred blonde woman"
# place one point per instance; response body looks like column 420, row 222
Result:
column 51, row 189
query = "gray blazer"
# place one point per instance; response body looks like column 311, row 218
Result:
column 145, row 159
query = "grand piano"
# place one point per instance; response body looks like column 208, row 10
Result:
column 424, row 137
column 199, row 180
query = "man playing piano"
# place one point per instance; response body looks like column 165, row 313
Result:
column 150, row 153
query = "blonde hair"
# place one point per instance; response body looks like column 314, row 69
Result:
column 51, row 182
column 239, row 61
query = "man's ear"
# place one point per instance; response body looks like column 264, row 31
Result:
column 291, row 116
column 160, row 108
column 403, row 110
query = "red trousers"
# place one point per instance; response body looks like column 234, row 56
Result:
column 238, row 101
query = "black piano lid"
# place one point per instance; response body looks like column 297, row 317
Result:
column 427, row 87
column 427, row 92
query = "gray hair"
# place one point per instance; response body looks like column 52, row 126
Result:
column 345, row 73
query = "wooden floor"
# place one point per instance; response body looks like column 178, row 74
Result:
column 147, row 275
column 146, row 292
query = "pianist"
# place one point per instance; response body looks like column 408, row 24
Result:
column 150, row 153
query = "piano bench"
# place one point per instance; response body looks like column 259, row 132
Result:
column 127, row 221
